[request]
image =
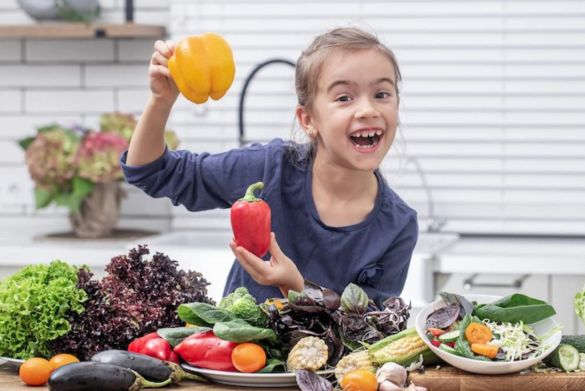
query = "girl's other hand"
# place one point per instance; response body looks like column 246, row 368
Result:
column 162, row 85
column 279, row 271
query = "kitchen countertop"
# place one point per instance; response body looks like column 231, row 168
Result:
column 22, row 250
column 513, row 255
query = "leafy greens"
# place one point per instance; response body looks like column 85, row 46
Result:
column 515, row 308
column 34, row 306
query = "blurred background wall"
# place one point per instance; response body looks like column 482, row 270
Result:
column 491, row 105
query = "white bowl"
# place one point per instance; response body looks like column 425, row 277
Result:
column 484, row 367
column 48, row 10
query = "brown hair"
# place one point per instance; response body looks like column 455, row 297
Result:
column 311, row 60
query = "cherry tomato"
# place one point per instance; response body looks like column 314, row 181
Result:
column 35, row 371
column 359, row 380
column 248, row 357
column 62, row 359
column 435, row 331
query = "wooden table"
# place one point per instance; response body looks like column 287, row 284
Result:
column 451, row 379
column 443, row 379
column 9, row 381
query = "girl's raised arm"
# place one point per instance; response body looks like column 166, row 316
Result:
column 147, row 143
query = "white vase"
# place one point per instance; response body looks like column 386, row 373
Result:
column 49, row 10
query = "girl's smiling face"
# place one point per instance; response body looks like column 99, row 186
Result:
column 355, row 109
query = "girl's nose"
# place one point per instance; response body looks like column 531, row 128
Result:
column 366, row 109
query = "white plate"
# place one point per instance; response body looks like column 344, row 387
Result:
column 249, row 379
column 484, row 367
column 11, row 362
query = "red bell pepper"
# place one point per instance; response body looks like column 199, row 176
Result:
column 137, row 345
column 250, row 218
column 206, row 350
column 154, row 346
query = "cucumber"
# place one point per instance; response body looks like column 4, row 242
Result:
column 578, row 341
column 448, row 349
column 565, row 357
column 451, row 336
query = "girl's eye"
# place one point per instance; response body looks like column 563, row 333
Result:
column 343, row 98
column 382, row 95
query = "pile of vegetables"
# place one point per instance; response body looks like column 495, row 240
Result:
column 136, row 297
column 497, row 331
column 59, row 308
column 345, row 323
column 303, row 333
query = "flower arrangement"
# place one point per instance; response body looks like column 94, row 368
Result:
column 66, row 164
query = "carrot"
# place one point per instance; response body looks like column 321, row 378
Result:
column 478, row 333
column 485, row 349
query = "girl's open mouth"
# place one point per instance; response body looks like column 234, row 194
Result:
column 366, row 140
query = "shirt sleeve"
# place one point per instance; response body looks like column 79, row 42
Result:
column 387, row 278
column 199, row 181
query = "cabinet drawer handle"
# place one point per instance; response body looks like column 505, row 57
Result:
column 470, row 283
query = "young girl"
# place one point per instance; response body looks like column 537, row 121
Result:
column 335, row 220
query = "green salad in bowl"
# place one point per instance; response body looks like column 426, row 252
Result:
column 488, row 334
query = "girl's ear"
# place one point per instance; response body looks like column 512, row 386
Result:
column 303, row 117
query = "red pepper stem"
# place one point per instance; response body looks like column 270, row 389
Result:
column 249, row 196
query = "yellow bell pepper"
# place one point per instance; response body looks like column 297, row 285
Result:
column 202, row 67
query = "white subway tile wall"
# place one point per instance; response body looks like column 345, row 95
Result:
column 71, row 82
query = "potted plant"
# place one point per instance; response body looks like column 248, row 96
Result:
column 78, row 168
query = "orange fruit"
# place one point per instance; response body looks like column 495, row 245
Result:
column 359, row 380
column 35, row 371
column 248, row 357
column 62, row 359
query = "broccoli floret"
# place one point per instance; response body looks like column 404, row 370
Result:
column 243, row 305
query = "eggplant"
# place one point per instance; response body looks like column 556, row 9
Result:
column 97, row 376
column 148, row 367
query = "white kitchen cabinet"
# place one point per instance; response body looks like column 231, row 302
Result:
column 536, row 286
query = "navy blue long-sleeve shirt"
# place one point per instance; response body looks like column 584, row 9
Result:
column 374, row 254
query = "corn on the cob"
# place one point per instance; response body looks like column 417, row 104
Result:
column 309, row 353
column 402, row 348
column 353, row 361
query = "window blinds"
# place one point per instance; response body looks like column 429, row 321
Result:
column 492, row 101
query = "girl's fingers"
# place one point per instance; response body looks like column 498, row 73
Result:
column 255, row 266
column 159, row 59
column 274, row 248
column 171, row 45
column 163, row 48
column 160, row 70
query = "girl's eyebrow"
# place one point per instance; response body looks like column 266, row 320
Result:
column 382, row 80
column 348, row 82
column 339, row 82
